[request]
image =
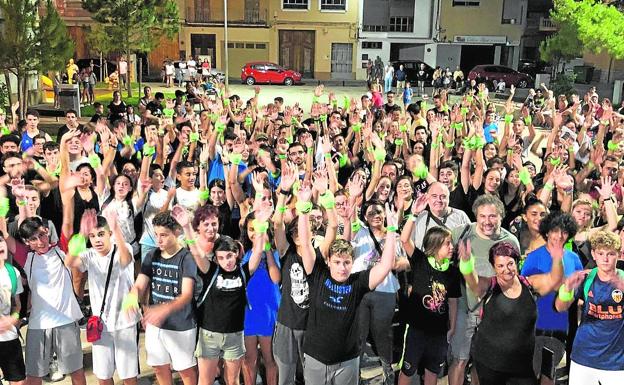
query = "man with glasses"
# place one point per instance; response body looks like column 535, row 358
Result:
column 435, row 212
column 52, row 326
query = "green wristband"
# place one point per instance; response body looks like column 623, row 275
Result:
column 565, row 295
column 421, row 171
column 94, row 161
column 149, row 150
column 508, row 118
column 194, row 137
column 379, row 154
column 355, row 227
column 392, row 229
column 220, row 127
column 4, row 206
column 612, row 146
column 248, row 121
column 327, row 200
column 281, row 156
column 356, row 127
column 303, row 207
column 204, row 195
column 77, row 244
column 467, row 267
column 168, row 112
column 260, row 226
column 525, row 176
column 281, row 209
column 528, row 120
column 226, row 102
column 342, row 160
column 236, row 159
column 398, row 142
column 130, row 301
column 464, row 111
column 403, row 127
column 127, row 140
column 548, row 186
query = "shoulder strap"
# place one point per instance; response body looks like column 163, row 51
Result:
column 108, row 275
column 212, row 281
column 12, row 277
column 375, row 241
column 486, row 296
column 589, row 280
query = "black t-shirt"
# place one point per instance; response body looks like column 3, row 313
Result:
column 332, row 334
column 64, row 130
column 155, row 108
column 295, row 302
column 505, row 340
column 223, row 310
column 458, row 199
column 116, row 111
column 166, row 275
column 428, row 308
column 52, row 205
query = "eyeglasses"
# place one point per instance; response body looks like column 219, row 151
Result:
column 37, row 237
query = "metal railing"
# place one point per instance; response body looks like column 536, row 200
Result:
column 203, row 16
column 546, row 24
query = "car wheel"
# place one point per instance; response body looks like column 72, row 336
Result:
column 288, row 82
column 523, row 84
column 250, row 81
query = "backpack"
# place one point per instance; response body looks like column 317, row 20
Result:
column 13, row 277
column 590, row 280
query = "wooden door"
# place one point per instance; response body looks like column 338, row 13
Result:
column 297, row 51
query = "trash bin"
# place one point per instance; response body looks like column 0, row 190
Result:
column 69, row 97
column 584, row 74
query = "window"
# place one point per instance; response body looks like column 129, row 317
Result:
column 295, row 4
column 402, row 24
column 240, row 45
column 460, row 3
column 333, row 5
column 230, row 45
column 249, row 46
column 371, row 45
column 261, row 46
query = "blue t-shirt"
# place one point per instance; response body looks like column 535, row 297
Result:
column 27, row 142
column 216, row 169
column 539, row 261
column 407, row 95
column 263, row 299
column 599, row 341
column 487, row 131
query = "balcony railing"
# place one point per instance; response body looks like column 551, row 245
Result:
column 407, row 28
column 202, row 16
column 547, row 25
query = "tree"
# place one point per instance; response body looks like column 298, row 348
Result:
column 31, row 42
column 597, row 25
column 131, row 25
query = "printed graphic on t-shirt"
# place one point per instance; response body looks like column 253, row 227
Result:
column 434, row 302
column 337, row 298
column 299, row 288
column 605, row 311
column 228, row 284
column 165, row 281
column 371, row 259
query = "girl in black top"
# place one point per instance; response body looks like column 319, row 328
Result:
column 432, row 303
column 116, row 108
column 505, row 340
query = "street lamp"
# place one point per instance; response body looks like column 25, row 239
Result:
column 225, row 26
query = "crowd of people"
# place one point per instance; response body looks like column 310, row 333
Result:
column 240, row 237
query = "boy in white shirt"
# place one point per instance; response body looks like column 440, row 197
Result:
column 11, row 358
column 53, row 323
column 108, row 284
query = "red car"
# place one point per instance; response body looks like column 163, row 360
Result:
column 265, row 72
column 498, row 72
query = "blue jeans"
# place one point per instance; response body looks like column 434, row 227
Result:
column 387, row 84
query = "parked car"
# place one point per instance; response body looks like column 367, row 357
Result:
column 534, row 67
column 265, row 72
column 411, row 67
column 498, row 72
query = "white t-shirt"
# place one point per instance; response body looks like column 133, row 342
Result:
column 5, row 300
column 153, row 203
column 124, row 218
column 121, row 281
column 52, row 294
column 365, row 256
column 191, row 64
column 123, row 67
column 169, row 69
column 188, row 199
column 425, row 221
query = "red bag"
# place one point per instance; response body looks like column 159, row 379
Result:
column 95, row 326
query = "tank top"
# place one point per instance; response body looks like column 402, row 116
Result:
column 505, row 339
column 81, row 205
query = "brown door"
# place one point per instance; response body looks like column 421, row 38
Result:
column 297, row 51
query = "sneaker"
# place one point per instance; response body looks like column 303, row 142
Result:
column 55, row 375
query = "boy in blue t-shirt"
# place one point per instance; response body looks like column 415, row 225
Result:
column 597, row 354
column 407, row 94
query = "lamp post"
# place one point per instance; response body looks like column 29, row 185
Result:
column 225, row 26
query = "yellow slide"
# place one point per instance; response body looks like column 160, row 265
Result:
column 47, row 81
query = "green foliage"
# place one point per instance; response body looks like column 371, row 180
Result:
column 599, row 26
column 131, row 25
column 30, row 43
column 563, row 45
column 563, row 84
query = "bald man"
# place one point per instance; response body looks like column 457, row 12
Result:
column 437, row 213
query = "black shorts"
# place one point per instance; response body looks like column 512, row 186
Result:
column 424, row 349
column 12, row 360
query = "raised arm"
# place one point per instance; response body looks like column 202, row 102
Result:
column 125, row 255
column 262, row 212
column 477, row 285
column 381, row 270
column 547, row 282
column 566, row 297
column 304, row 206
column 419, row 205
column 182, row 216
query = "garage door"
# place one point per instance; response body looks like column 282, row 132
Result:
column 244, row 52
column 341, row 61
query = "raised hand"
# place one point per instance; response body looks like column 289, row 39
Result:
column 181, row 215
column 392, row 217
column 88, row 221
column 606, row 187
column 111, row 217
column 289, row 176
column 356, row 185
column 321, row 178
column 576, row 279
column 305, row 192
column 419, row 205
column 464, row 250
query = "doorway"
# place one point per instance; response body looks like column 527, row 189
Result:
column 297, row 51
column 342, row 61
